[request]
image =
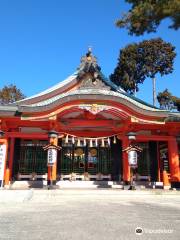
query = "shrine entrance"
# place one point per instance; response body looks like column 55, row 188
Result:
column 85, row 160
column 80, row 159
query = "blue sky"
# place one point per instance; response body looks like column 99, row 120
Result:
column 42, row 41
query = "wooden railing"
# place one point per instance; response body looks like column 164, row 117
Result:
column 31, row 177
column 85, row 177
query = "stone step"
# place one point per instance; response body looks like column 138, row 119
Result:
column 27, row 184
column 66, row 184
column 89, row 184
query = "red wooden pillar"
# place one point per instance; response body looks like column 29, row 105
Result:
column 126, row 167
column 174, row 160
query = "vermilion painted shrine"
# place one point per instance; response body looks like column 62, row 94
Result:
column 92, row 117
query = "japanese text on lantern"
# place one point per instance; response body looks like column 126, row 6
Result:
column 2, row 160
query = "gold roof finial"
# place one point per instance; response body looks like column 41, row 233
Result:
column 90, row 49
column 89, row 54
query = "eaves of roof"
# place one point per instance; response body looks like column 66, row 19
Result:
column 8, row 110
column 93, row 94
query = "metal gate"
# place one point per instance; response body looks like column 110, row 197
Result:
column 32, row 157
column 79, row 160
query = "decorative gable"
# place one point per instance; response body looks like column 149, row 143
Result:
column 89, row 72
column 93, row 83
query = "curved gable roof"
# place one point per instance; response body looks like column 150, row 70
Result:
column 65, row 90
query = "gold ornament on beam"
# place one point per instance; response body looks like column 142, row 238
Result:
column 73, row 140
column 114, row 140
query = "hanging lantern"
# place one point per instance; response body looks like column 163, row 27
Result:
column 84, row 142
column 91, row 143
column 78, row 143
column 103, row 142
column 73, row 140
column 109, row 142
column 66, row 139
column 114, row 140
column 96, row 142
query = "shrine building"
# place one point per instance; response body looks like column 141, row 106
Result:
column 92, row 118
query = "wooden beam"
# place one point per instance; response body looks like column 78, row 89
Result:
column 145, row 138
column 27, row 135
column 90, row 134
column 88, row 123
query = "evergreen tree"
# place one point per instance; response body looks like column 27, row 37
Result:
column 146, row 59
column 165, row 100
column 146, row 15
column 168, row 101
column 10, row 94
column 176, row 101
column 129, row 71
column 158, row 58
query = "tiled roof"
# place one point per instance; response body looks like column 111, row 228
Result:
column 95, row 92
column 51, row 96
column 53, row 88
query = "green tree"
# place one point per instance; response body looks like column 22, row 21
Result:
column 129, row 71
column 165, row 100
column 145, row 59
column 10, row 94
column 158, row 58
column 146, row 15
column 176, row 101
column 168, row 101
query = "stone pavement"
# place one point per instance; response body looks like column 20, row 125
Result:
column 89, row 214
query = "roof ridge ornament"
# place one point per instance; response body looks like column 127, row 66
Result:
column 89, row 54
column 89, row 65
column 89, row 62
